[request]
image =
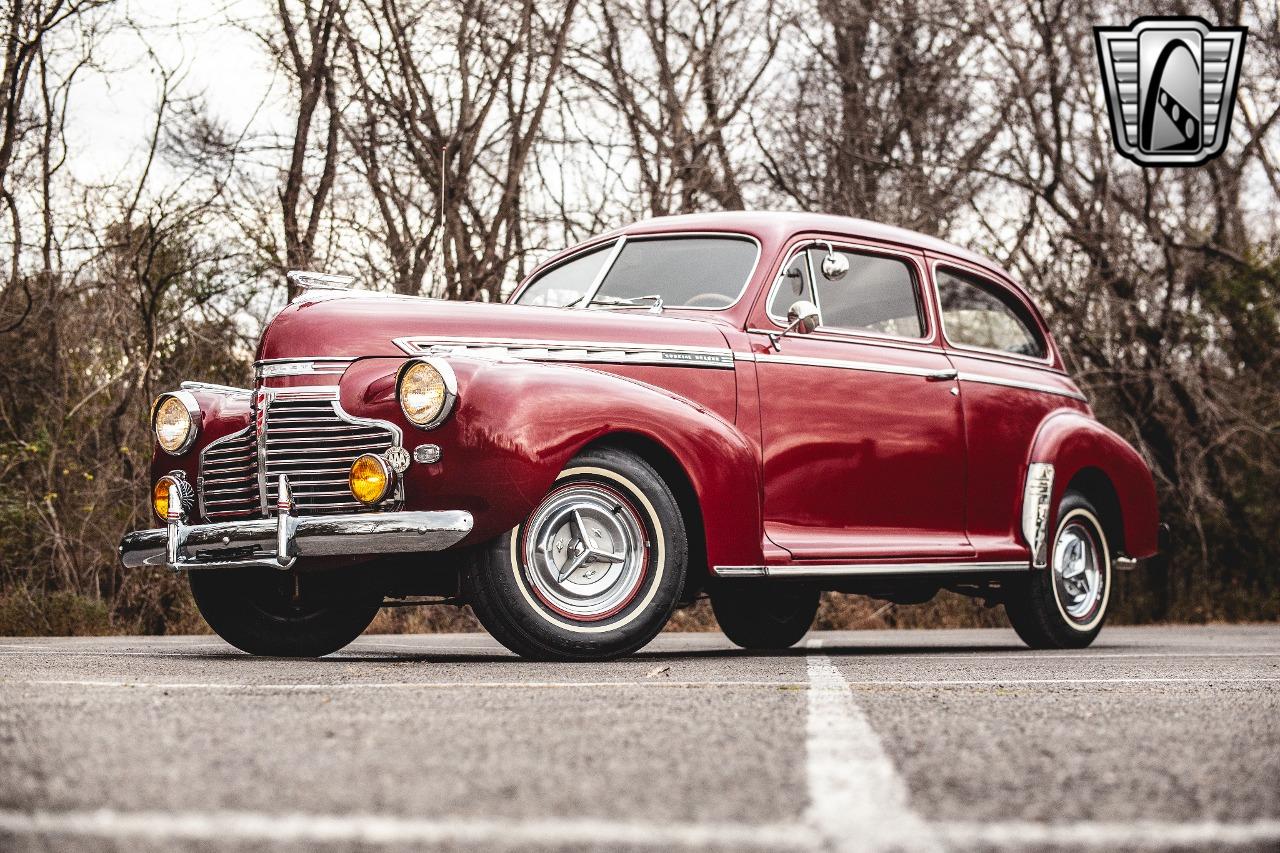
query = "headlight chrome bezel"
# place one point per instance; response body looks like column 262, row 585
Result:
column 189, row 402
column 448, row 378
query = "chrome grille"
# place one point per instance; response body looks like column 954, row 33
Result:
column 229, row 478
column 314, row 442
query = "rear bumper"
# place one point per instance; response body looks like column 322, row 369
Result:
column 279, row 542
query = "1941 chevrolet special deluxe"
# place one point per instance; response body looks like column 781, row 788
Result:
column 755, row 407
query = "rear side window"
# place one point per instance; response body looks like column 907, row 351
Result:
column 876, row 295
column 568, row 282
column 976, row 313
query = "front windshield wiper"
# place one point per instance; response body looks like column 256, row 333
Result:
column 654, row 300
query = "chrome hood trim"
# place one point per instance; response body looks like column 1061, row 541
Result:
column 590, row 352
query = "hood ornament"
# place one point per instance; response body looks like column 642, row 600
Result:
column 304, row 280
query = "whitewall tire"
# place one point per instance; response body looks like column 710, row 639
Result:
column 596, row 569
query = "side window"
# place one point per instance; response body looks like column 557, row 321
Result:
column 795, row 284
column 877, row 295
column 568, row 282
column 979, row 314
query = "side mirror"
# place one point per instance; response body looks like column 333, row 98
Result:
column 834, row 266
column 802, row 317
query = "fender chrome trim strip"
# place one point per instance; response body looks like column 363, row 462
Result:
column 868, row 366
column 825, row 570
column 901, row 369
column 590, row 352
column 1023, row 385
column 1036, row 492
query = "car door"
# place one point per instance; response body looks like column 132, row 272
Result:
column 861, row 426
column 1011, row 379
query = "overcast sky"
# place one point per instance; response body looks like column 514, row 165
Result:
column 217, row 58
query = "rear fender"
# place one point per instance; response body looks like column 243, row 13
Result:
column 1075, row 443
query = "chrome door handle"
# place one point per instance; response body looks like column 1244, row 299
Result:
column 941, row 375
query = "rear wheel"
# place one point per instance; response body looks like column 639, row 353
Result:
column 764, row 616
column 596, row 569
column 286, row 614
column 1064, row 606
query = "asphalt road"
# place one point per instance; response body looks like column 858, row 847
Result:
column 1155, row 738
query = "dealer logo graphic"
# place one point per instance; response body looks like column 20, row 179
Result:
column 1171, row 86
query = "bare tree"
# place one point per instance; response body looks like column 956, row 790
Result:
column 472, row 83
column 884, row 117
column 305, row 46
column 678, row 77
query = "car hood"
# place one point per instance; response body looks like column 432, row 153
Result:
column 354, row 326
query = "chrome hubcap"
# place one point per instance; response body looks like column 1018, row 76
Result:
column 585, row 551
column 1078, row 572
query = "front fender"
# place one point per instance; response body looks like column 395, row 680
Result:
column 221, row 413
column 517, row 424
column 1073, row 443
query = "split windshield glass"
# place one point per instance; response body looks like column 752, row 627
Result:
column 683, row 272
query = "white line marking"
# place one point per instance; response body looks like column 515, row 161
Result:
column 857, row 800
column 958, row 682
column 223, row 826
column 219, row 826
column 874, row 652
column 395, row 685
column 592, row 685
column 1111, row 835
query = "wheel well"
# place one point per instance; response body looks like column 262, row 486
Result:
column 1097, row 489
column 673, row 474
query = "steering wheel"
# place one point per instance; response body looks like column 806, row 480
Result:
column 708, row 300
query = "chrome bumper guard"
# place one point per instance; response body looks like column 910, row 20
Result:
column 278, row 543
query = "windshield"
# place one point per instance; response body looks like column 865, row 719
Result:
column 678, row 272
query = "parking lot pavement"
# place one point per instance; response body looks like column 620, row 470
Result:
column 1155, row 738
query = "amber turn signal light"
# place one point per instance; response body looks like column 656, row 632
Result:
column 371, row 479
column 160, row 495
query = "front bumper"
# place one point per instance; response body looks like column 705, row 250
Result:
column 279, row 542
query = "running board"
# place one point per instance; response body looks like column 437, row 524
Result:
column 838, row 570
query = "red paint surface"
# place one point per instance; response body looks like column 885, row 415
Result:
column 788, row 462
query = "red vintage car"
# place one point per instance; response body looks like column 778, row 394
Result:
column 755, row 407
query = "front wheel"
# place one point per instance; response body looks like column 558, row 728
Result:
column 1064, row 605
column 286, row 614
column 596, row 569
column 763, row 616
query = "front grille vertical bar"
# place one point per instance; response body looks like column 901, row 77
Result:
column 262, row 408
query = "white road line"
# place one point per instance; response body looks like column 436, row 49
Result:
column 393, row 685
column 246, row 826
column 870, row 652
column 1111, row 835
column 592, row 685
column 857, row 800
column 224, row 826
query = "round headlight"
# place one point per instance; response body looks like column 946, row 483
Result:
column 174, row 421
column 370, row 479
column 427, row 391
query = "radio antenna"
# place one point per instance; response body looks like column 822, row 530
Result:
column 440, row 282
